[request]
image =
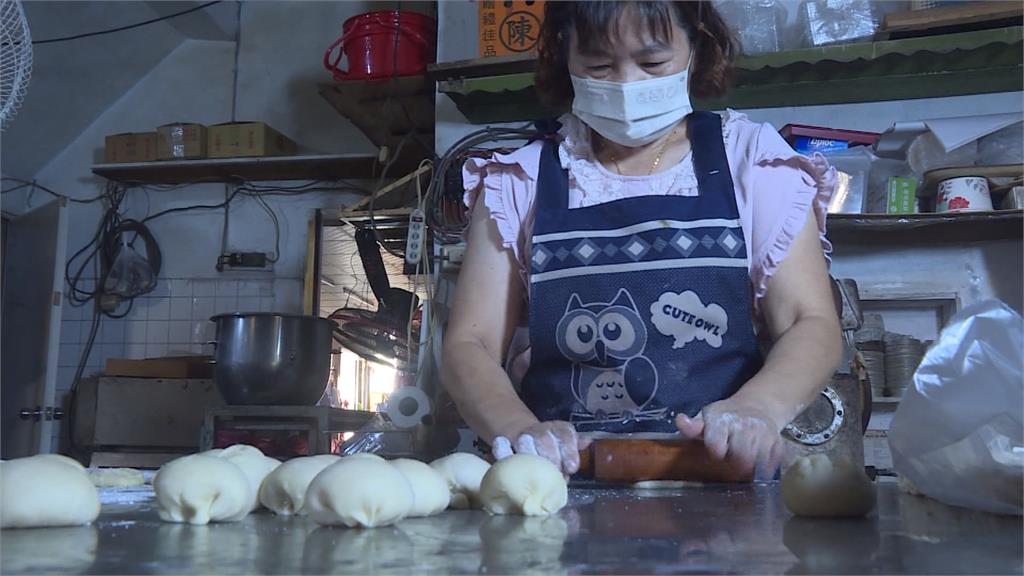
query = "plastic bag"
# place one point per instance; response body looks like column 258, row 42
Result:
column 130, row 275
column 958, row 434
column 759, row 23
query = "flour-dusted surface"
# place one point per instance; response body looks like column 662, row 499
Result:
column 716, row 529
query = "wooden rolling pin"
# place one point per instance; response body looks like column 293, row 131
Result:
column 628, row 461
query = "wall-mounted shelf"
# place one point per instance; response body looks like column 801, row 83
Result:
column 926, row 228
column 326, row 167
column 979, row 62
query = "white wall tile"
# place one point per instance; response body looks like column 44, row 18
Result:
column 180, row 287
column 113, row 331
column 70, row 312
column 70, row 332
column 266, row 289
column 157, row 331
column 227, row 288
column 65, row 376
column 266, row 304
column 249, row 304
column 203, row 332
column 156, row 350
column 179, row 331
column 158, row 309
column 249, row 288
column 225, row 305
column 203, row 307
column 135, row 350
column 181, row 308
column 69, row 355
column 108, row 351
column 203, row 288
column 135, row 332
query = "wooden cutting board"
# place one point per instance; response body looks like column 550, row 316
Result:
column 621, row 461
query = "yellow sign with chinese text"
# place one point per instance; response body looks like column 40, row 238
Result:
column 509, row 27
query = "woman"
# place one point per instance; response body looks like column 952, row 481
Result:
column 645, row 245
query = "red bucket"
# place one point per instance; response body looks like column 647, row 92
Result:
column 383, row 44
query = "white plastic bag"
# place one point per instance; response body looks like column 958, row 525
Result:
column 958, row 434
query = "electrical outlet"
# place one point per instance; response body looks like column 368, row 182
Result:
column 242, row 260
column 451, row 256
column 415, row 240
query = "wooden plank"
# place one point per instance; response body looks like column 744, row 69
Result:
column 928, row 228
column 959, row 15
column 384, row 191
column 476, row 67
column 325, row 167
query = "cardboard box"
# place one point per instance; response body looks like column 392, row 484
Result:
column 181, row 141
column 509, row 27
column 240, row 139
column 130, row 147
column 169, row 367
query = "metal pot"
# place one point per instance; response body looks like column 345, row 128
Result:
column 272, row 359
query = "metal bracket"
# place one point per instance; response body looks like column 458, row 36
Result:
column 818, row 438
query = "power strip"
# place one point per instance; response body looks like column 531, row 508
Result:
column 415, row 240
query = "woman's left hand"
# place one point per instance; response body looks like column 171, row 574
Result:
column 741, row 431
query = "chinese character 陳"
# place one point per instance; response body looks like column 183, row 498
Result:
column 519, row 31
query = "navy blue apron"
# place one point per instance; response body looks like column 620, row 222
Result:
column 640, row 308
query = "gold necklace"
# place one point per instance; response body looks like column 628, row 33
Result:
column 657, row 159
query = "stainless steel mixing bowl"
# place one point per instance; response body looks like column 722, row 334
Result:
column 272, row 359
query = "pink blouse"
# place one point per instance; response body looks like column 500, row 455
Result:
column 775, row 189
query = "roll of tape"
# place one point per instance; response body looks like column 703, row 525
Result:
column 407, row 407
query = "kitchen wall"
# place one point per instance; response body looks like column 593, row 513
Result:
column 270, row 75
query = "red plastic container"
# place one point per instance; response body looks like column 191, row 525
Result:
column 383, row 44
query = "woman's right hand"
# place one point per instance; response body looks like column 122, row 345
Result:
column 557, row 441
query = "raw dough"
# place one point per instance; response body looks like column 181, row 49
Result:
column 253, row 463
column 359, row 492
column 816, row 485
column 463, row 472
column 284, row 489
column 115, row 477
column 429, row 488
column 46, row 490
column 366, row 455
column 199, row 489
column 524, row 484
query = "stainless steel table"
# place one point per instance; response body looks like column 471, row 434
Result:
column 707, row 530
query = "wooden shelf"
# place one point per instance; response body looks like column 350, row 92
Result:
column 978, row 62
column 926, row 228
column 326, row 167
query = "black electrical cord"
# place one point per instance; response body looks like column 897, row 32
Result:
column 126, row 27
column 34, row 185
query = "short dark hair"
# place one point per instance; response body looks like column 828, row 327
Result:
column 592, row 21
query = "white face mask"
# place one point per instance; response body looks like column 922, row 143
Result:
column 632, row 113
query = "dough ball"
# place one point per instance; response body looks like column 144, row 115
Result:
column 199, row 489
column 463, row 472
column 359, row 492
column 46, row 490
column 366, row 455
column 115, row 477
column 816, row 485
column 253, row 463
column 284, row 489
column 524, row 484
column 429, row 488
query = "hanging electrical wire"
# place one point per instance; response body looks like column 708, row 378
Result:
column 448, row 229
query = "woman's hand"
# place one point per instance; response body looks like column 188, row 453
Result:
column 555, row 440
column 741, row 431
